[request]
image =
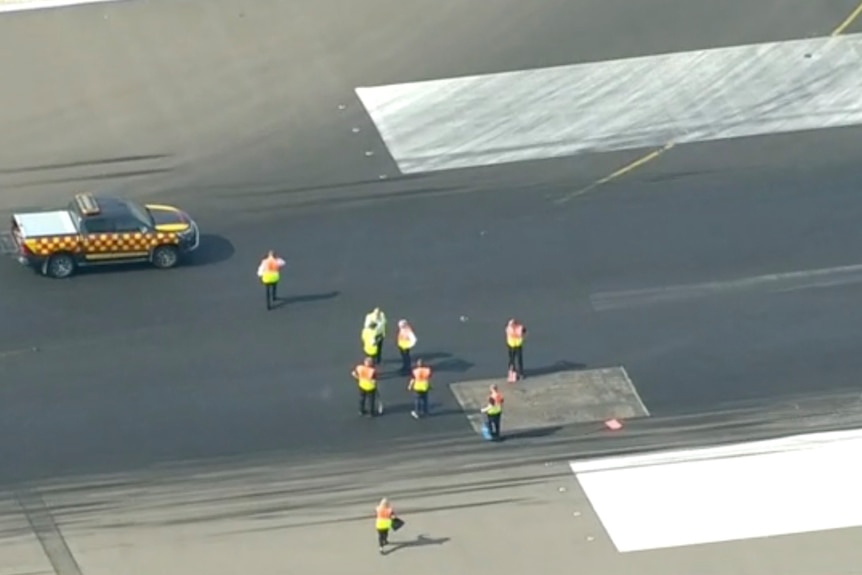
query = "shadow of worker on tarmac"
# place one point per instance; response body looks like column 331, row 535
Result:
column 420, row 541
column 282, row 301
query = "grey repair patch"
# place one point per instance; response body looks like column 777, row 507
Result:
column 554, row 400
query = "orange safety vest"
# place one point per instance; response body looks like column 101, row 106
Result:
column 497, row 397
column 421, row 378
column 269, row 270
column 384, row 518
column 366, row 377
column 269, row 264
column 515, row 335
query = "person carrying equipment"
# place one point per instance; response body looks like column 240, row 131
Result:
column 269, row 273
column 366, row 378
column 493, row 413
column 384, row 516
column 406, row 341
column 515, row 332
column 370, row 345
column 378, row 318
column 420, row 384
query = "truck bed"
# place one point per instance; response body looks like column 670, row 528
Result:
column 41, row 224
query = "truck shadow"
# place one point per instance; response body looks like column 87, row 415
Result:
column 214, row 249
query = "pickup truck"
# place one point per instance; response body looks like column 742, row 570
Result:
column 97, row 230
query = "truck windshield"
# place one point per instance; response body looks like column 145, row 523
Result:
column 140, row 213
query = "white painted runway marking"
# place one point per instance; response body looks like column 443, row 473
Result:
column 623, row 104
column 21, row 5
column 794, row 485
column 782, row 282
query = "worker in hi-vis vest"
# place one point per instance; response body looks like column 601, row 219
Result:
column 420, row 384
column 269, row 272
column 370, row 343
column 493, row 413
column 406, row 340
column 365, row 375
column 515, row 332
column 378, row 318
column 384, row 517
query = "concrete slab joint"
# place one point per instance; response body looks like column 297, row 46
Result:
column 50, row 537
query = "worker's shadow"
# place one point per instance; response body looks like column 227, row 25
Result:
column 427, row 358
column 282, row 301
column 420, row 541
column 557, row 367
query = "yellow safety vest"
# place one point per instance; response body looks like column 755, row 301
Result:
column 420, row 384
column 515, row 339
column 366, row 383
column 270, row 273
column 369, row 342
column 384, row 519
column 380, row 320
column 406, row 339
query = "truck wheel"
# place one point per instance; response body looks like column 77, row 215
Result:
column 165, row 257
column 60, row 266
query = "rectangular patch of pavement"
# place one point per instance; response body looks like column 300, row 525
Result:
column 555, row 400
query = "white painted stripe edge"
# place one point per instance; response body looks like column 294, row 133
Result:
column 826, row 40
column 46, row 4
column 796, row 442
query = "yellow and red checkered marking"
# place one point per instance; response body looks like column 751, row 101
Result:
column 109, row 243
column 49, row 245
column 100, row 243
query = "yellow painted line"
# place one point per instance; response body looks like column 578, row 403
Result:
column 168, row 228
column 657, row 153
column 621, row 172
column 163, row 207
column 848, row 21
column 111, row 256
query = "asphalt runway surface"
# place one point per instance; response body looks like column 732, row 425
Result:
column 244, row 114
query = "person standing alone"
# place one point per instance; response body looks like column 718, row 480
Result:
column 515, row 332
column 383, row 523
column 269, row 272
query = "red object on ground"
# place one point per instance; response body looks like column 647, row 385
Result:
column 614, row 424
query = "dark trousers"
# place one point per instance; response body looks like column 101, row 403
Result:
column 405, row 361
column 516, row 360
column 382, row 537
column 420, row 403
column 271, row 294
column 494, row 425
column 368, row 402
column 379, row 357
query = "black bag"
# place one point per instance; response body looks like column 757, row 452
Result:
column 397, row 523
